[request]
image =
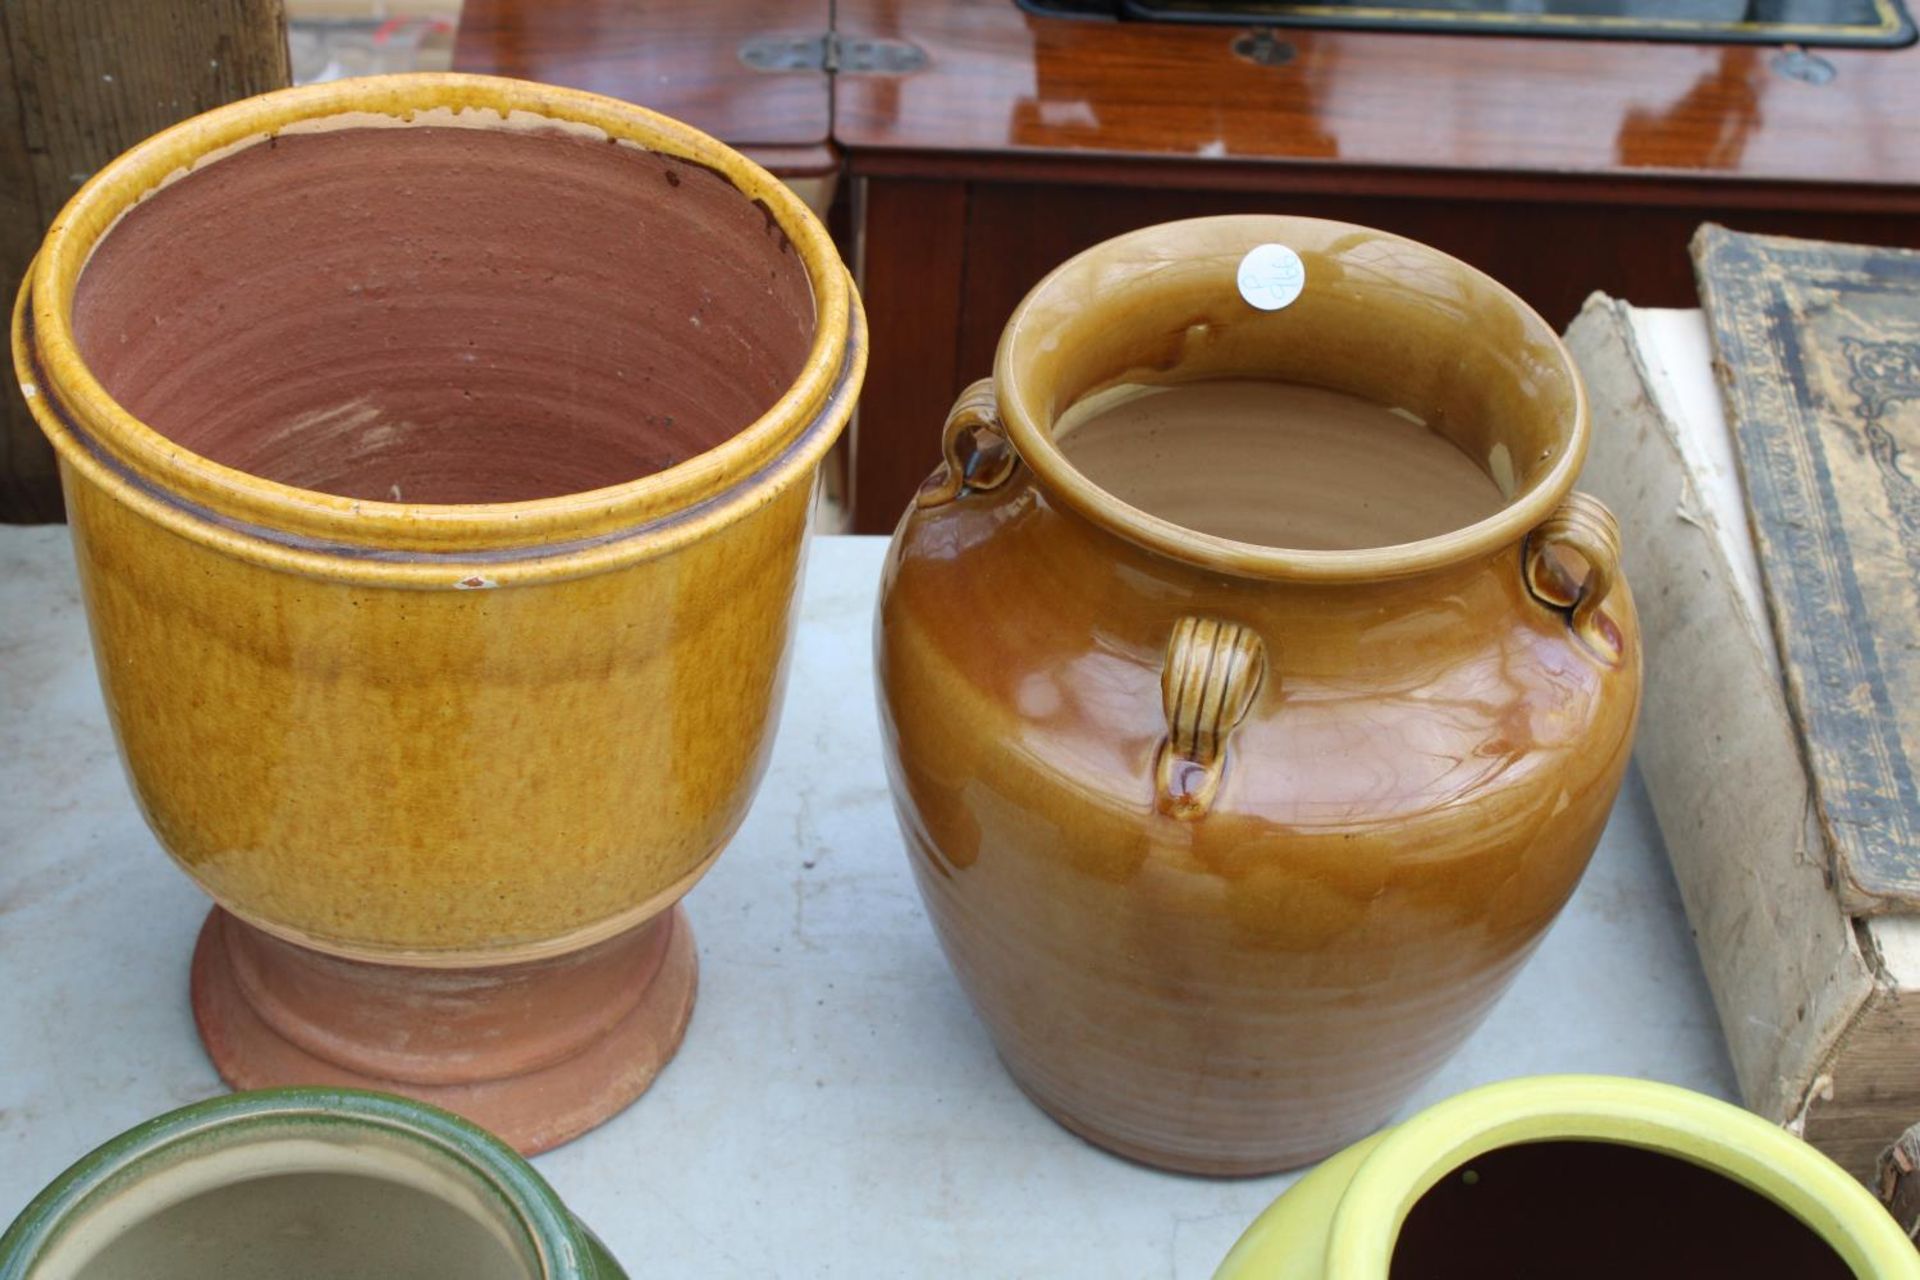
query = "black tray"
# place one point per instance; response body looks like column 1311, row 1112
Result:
column 1865, row 23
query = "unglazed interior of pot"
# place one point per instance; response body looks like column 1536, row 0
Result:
column 1574, row 1210
column 439, row 314
column 1276, row 464
column 292, row 1206
column 1399, row 397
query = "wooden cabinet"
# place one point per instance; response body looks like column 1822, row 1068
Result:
column 679, row 57
column 1559, row 166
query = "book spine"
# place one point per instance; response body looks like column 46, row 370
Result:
column 1716, row 747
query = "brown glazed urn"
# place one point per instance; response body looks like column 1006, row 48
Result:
column 439, row 452
column 1255, row 684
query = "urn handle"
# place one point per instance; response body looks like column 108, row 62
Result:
column 1211, row 673
column 977, row 453
column 1583, row 525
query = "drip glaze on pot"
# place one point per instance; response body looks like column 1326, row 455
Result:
column 1602, row 1211
column 446, row 315
column 1242, row 761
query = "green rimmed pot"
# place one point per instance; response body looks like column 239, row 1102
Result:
column 1576, row 1177
column 325, row 1184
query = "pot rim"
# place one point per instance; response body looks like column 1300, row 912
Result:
column 1414, row 1156
column 425, row 544
column 1024, row 415
column 564, row 1249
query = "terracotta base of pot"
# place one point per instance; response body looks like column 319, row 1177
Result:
column 538, row 1052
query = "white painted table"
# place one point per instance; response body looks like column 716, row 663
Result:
column 836, row 1109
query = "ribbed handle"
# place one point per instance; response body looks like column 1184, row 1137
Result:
column 1582, row 524
column 976, row 452
column 1207, row 683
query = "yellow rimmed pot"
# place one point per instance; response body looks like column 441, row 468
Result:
column 439, row 451
column 1576, row 1176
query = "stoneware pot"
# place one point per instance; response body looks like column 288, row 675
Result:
column 439, row 452
column 1231, row 844
column 325, row 1184
column 1576, row 1177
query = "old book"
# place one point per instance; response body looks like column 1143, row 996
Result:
column 1818, row 351
column 1820, row 1002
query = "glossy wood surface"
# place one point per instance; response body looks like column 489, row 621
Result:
column 912, row 270
column 1560, row 166
column 1007, row 85
column 940, row 302
column 680, row 57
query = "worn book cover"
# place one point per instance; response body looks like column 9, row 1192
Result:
column 1817, row 347
column 1820, row 1006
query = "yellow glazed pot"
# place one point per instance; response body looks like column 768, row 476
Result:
column 1576, row 1176
column 439, row 452
column 1231, row 840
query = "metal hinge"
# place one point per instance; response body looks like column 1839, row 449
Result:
column 832, row 53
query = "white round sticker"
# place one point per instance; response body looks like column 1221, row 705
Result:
column 1271, row 276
